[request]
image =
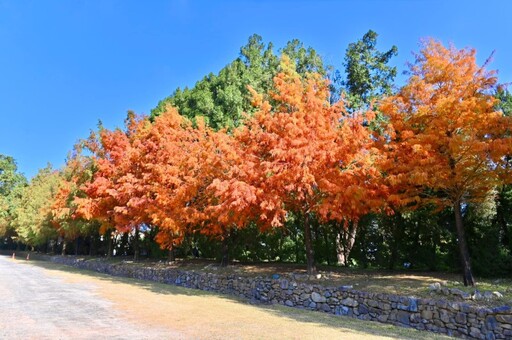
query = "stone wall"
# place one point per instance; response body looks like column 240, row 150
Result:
column 452, row 318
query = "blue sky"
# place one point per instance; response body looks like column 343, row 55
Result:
column 65, row 65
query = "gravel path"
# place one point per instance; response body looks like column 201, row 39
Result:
column 37, row 305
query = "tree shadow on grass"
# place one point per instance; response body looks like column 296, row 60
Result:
column 299, row 315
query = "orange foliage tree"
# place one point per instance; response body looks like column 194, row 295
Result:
column 66, row 215
column 311, row 156
column 445, row 141
column 176, row 179
column 199, row 179
column 169, row 174
column 117, row 196
column 300, row 154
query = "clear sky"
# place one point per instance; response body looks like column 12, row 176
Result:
column 65, row 65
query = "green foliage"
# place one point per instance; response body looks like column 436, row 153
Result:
column 11, row 185
column 32, row 208
column 505, row 100
column 223, row 99
column 488, row 234
column 368, row 75
column 418, row 240
column 9, row 175
column 306, row 60
column 78, row 171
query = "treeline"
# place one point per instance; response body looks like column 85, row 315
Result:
column 279, row 157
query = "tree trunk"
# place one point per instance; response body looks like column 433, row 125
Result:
column 310, row 253
column 92, row 240
column 64, row 244
column 123, row 244
column 77, row 245
column 433, row 253
column 297, row 247
column 463, row 247
column 328, row 253
column 394, row 254
column 340, row 245
column 170, row 255
column 345, row 240
column 280, row 248
column 501, row 218
column 136, row 248
column 396, row 231
column 110, row 245
column 225, row 250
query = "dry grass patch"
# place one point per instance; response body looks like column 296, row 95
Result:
column 407, row 282
column 203, row 315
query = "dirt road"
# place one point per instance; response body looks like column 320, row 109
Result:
column 40, row 300
column 36, row 305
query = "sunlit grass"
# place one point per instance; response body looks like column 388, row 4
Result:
column 403, row 282
column 205, row 315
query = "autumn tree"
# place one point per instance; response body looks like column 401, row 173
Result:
column 116, row 195
column 66, row 215
column 173, row 158
column 223, row 100
column 161, row 174
column 97, row 204
column 445, row 144
column 366, row 77
column 234, row 193
column 32, row 215
column 314, row 159
column 198, row 178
